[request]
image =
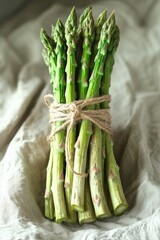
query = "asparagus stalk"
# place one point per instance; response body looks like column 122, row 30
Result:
column 118, row 199
column 88, row 37
column 96, row 163
column 77, row 200
column 49, row 56
column 59, row 139
column 96, row 175
column 71, row 38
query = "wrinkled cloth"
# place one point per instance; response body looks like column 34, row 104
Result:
column 135, row 112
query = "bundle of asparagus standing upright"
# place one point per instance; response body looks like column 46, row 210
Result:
column 83, row 182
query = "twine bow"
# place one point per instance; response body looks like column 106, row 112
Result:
column 70, row 113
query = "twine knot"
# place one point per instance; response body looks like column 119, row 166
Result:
column 70, row 113
column 75, row 111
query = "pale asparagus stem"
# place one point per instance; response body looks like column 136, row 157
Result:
column 118, row 199
column 88, row 216
column 105, row 183
column 96, row 166
column 71, row 39
column 50, row 59
column 72, row 215
column 77, row 200
column 88, row 31
column 59, row 139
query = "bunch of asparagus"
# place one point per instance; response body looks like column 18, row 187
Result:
column 80, row 58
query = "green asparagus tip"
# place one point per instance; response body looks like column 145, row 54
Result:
column 100, row 21
column 84, row 15
column 47, row 42
column 59, row 23
column 59, row 31
column 111, row 17
column 111, row 22
column 88, row 28
column 71, row 20
column 117, row 38
column 109, row 27
column 115, row 41
column 102, row 17
column 82, row 18
column 72, row 16
column 71, row 30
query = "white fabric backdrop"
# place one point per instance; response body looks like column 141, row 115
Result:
column 135, row 110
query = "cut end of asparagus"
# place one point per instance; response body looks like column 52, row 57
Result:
column 120, row 209
column 104, row 216
column 87, row 220
column 61, row 220
column 118, row 199
column 49, row 209
column 71, row 220
column 72, row 215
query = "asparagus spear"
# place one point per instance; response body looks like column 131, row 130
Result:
column 71, row 38
column 49, row 56
column 77, row 200
column 96, row 163
column 59, row 139
column 114, row 182
column 88, row 37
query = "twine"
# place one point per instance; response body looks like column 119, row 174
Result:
column 70, row 113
